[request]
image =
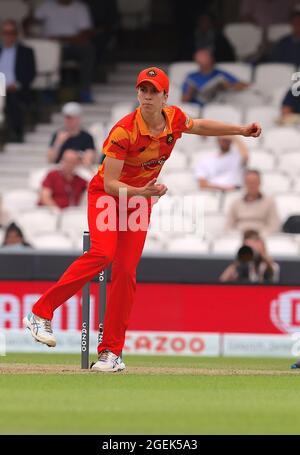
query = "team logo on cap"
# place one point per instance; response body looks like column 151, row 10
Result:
column 170, row 139
column 151, row 73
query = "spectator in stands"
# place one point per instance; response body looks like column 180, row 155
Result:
column 204, row 85
column 14, row 237
column 290, row 108
column 287, row 49
column 207, row 35
column 72, row 136
column 253, row 263
column 266, row 12
column 4, row 215
column 17, row 63
column 253, row 210
column 223, row 169
column 69, row 22
column 62, row 187
column 106, row 19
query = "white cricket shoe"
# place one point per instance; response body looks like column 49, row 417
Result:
column 108, row 362
column 40, row 329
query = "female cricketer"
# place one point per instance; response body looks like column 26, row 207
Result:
column 135, row 151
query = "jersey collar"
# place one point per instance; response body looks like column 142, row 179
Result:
column 143, row 126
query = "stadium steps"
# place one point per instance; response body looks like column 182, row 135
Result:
column 57, row 120
column 24, row 148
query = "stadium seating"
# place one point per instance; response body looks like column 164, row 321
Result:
column 40, row 220
column 134, row 14
column 153, row 245
column 16, row 9
column 277, row 96
column 277, row 31
column 177, row 162
column 189, row 143
column 271, row 76
column 166, row 204
column 242, row 71
column 245, row 38
column 275, row 182
column 227, row 245
column 178, row 72
column 119, row 110
column 1, row 236
column 289, row 162
column 196, row 158
column 73, row 221
column 166, row 226
column 221, row 112
column 261, row 160
column 97, row 130
column 280, row 138
column 288, row 204
column 36, row 177
column 191, row 109
column 265, row 115
column 180, row 182
column 296, row 184
column 51, row 241
column 213, row 226
column 200, row 202
column 15, row 201
column 282, row 245
column 48, row 58
column 174, row 98
column 188, row 245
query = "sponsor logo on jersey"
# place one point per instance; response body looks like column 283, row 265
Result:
column 152, row 164
column 170, row 139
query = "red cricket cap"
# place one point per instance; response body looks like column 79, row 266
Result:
column 156, row 77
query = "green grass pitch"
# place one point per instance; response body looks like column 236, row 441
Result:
column 158, row 395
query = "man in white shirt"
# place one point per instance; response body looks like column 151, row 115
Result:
column 69, row 21
column 223, row 169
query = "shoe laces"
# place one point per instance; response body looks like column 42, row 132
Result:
column 106, row 355
column 46, row 323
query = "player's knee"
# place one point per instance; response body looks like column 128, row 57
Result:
column 126, row 269
column 105, row 255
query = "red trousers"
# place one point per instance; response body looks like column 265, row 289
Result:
column 123, row 249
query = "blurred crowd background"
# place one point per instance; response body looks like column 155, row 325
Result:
column 70, row 69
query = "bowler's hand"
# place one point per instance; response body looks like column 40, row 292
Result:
column 251, row 130
column 153, row 189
